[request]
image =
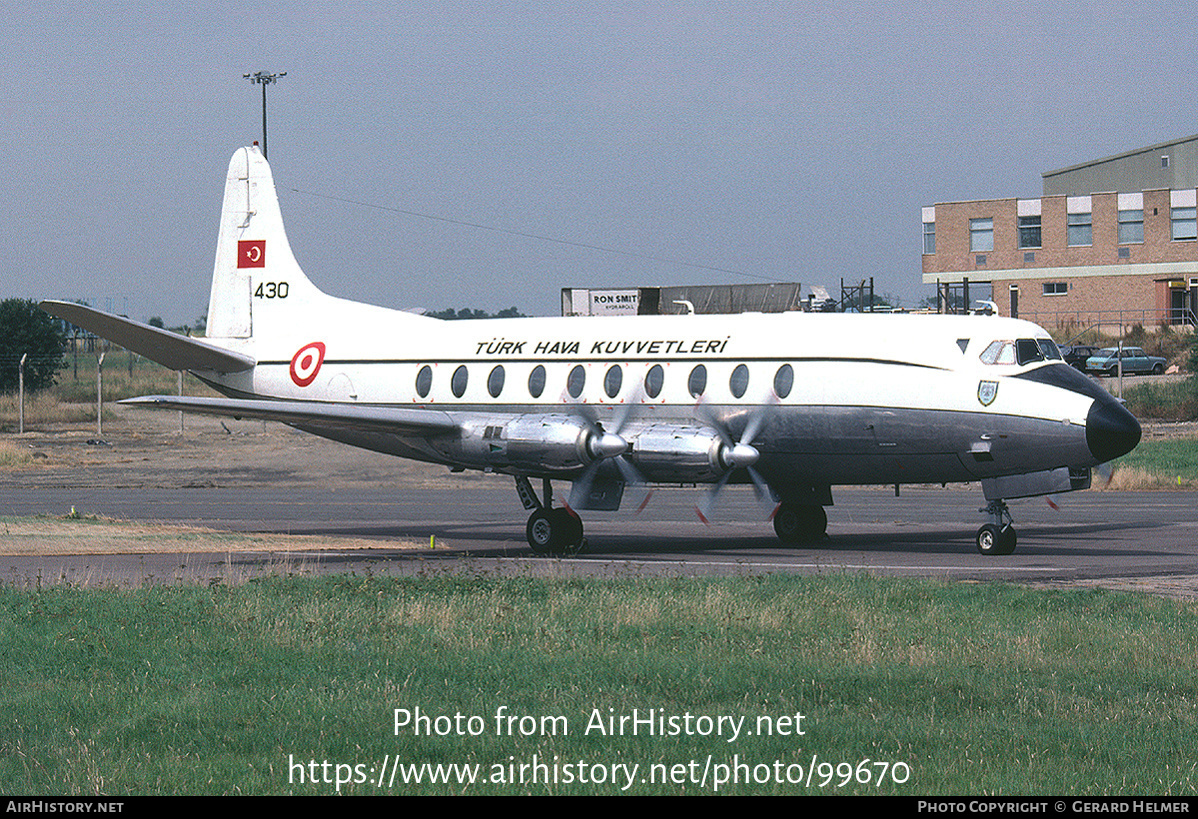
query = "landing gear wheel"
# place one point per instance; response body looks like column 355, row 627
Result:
column 995, row 540
column 540, row 531
column 800, row 524
column 987, row 540
column 554, row 531
column 570, row 527
column 1006, row 539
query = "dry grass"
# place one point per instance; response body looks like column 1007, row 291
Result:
column 1139, row 479
column 75, row 535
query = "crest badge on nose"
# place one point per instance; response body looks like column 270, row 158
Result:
column 987, row 392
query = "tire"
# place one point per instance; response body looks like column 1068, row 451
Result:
column 1006, row 540
column 568, row 527
column 994, row 540
column 541, row 531
column 987, row 540
column 800, row 524
column 1159, row 369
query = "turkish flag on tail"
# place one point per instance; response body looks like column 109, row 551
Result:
column 251, row 253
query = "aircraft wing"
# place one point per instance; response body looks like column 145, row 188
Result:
column 169, row 349
column 400, row 420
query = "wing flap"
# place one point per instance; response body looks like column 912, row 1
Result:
column 400, row 420
column 169, row 349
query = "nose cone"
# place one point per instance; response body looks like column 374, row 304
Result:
column 1111, row 430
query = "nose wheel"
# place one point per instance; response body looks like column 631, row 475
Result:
column 998, row 537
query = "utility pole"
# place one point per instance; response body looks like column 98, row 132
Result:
column 264, row 79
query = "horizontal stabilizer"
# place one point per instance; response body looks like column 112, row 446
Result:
column 171, row 350
column 401, row 420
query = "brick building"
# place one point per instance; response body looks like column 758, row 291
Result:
column 1112, row 242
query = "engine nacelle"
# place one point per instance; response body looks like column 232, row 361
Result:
column 537, row 444
column 679, row 453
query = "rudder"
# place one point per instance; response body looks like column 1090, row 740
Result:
column 252, row 252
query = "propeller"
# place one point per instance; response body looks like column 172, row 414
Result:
column 604, row 445
column 734, row 455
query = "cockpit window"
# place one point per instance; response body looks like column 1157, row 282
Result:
column 999, row 352
column 1027, row 351
column 1021, row 351
column 1049, row 348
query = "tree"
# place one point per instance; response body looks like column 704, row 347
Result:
column 26, row 330
column 468, row 313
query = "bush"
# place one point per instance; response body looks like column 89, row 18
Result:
column 27, row 331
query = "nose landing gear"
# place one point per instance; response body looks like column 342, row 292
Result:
column 998, row 537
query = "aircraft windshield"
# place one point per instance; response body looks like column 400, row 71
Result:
column 1021, row 351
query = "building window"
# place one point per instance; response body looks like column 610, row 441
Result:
column 981, row 235
column 1029, row 231
column 1081, row 229
column 1184, row 225
column 929, row 238
column 1055, row 288
column 1131, row 227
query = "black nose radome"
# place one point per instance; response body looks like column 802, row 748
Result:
column 1111, row 430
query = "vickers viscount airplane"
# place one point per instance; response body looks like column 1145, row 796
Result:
column 791, row 403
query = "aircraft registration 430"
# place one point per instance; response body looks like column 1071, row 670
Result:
column 790, row 404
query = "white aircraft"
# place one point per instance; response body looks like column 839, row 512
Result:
column 790, row 403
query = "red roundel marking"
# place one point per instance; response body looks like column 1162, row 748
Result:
column 306, row 363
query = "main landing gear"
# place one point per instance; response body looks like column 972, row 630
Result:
column 997, row 538
column 549, row 531
column 800, row 523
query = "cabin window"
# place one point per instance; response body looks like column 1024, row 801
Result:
column 536, row 381
column 784, row 380
column 576, row 381
column 458, row 382
column 739, row 382
column 495, row 381
column 613, row 380
column 654, row 380
column 424, row 381
column 697, row 383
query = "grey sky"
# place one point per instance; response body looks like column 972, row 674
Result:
column 786, row 141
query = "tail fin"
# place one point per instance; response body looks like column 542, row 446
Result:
column 254, row 262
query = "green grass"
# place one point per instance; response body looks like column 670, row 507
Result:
column 977, row 688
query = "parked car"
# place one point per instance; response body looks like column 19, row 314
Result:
column 1106, row 362
column 1077, row 355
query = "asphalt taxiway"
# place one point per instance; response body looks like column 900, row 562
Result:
column 262, row 479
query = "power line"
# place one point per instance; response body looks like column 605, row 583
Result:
column 525, row 235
